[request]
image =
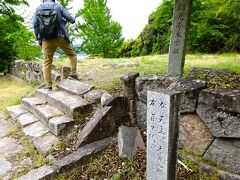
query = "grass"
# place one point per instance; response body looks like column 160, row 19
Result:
column 103, row 72
column 11, row 92
column 28, row 151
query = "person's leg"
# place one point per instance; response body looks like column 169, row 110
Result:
column 48, row 47
column 68, row 49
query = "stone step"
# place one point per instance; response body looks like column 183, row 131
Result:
column 74, row 87
column 34, row 129
column 98, row 127
column 72, row 105
column 56, row 121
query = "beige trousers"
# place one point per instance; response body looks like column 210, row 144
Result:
column 49, row 47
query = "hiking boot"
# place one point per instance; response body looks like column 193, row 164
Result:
column 74, row 77
column 47, row 88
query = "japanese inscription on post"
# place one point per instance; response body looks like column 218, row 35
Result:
column 157, row 131
column 179, row 35
column 162, row 117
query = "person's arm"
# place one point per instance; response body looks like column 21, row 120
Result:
column 36, row 28
column 67, row 15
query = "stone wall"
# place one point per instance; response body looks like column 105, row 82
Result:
column 209, row 118
column 32, row 71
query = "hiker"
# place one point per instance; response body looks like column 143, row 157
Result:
column 49, row 27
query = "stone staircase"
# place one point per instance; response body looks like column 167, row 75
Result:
column 49, row 115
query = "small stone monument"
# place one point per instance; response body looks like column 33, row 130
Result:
column 162, row 134
column 181, row 18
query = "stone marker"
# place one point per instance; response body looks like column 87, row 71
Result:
column 181, row 14
column 162, row 134
column 129, row 139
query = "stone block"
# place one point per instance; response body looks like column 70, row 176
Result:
column 194, row 135
column 35, row 130
column 60, row 125
column 44, row 93
column 153, row 83
column 74, row 87
column 224, row 99
column 188, row 87
column 46, row 112
column 30, row 103
column 9, row 147
column 45, row 143
column 94, row 96
column 219, row 109
column 129, row 85
column 141, row 114
column 129, row 139
column 44, row 172
column 5, row 127
column 105, row 97
column 72, row 105
column 226, row 153
column 26, row 119
column 96, row 128
column 16, row 111
column 76, row 157
column 5, row 167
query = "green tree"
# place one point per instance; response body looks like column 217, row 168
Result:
column 214, row 28
column 100, row 35
column 15, row 39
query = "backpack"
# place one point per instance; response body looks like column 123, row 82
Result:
column 48, row 23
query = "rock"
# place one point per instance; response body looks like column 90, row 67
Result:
column 220, row 111
column 72, row 105
column 194, row 135
column 94, row 96
column 74, row 87
column 226, row 153
column 141, row 114
column 188, row 87
column 45, row 112
column 44, row 172
column 16, row 111
column 76, row 157
column 5, row 167
column 9, row 147
column 35, row 130
column 104, row 98
column 152, row 82
column 5, row 127
column 129, row 85
column 27, row 162
column 60, row 125
column 45, row 143
column 129, row 139
column 26, row 119
column 96, row 128
column 229, row 176
column 127, row 64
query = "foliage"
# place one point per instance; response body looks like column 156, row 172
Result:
column 100, row 35
column 16, row 41
column 214, row 28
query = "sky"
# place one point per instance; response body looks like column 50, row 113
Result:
column 131, row 14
